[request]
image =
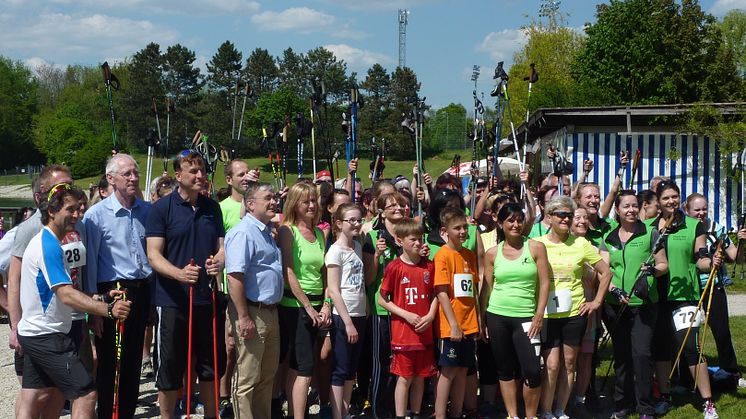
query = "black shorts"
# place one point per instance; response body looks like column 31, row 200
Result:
column 171, row 340
column 298, row 339
column 457, row 354
column 568, row 331
column 52, row 361
column 77, row 328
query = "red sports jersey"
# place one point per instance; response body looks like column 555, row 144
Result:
column 411, row 288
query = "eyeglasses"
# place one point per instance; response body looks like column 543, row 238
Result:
column 354, row 220
column 395, row 205
column 130, row 174
column 563, row 214
column 273, row 198
column 56, row 188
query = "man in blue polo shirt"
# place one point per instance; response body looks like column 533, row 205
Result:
column 255, row 279
column 115, row 239
column 184, row 234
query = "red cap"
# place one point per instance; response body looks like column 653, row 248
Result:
column 323, row 173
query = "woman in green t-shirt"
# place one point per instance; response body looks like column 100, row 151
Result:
column 630, row 318
column 303, row 308
column 567, row 309
column 515, row 309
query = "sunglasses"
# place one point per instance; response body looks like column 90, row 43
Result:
column 563, row 214
column 56, row 188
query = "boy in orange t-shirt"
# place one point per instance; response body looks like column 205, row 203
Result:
column 456, row 279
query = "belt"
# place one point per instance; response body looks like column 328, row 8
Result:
column 318, row 299
column 261, row 305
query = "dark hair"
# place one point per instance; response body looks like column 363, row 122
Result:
column 499, row 201
column 440, row 201
column 55, row 199
column 447, row 179
column 507, row 211
column 20, row 215
column 340, row 212
column 666, row 185
column 327, row 199
column 190, row 156
column 623, row 193
column 541, row 197
column 449, row 214
column 645, row 196
column 508, row 183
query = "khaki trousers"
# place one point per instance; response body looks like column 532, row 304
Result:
column 257, row 362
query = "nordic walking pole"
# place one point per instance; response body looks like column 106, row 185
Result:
column 189, row 348
column 533, row 77
column 118, row 337
column 246, row 94
column 151, row 152
column 216, row 375
column 635, row 164
column 111, row 82
column 353, row 136
column 170, row 107
column 313, row 139
column 708, row 285
column 235, row 105
column 707, row 315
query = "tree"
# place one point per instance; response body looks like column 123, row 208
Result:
column 403, row 95
column 146, row 69
column 224, row 68
column 446, row 128
column 321, row 64
column 292, row 72
column 18, row 100
column 261, row 72
column 733, row 27
column 659, row 51
column 377, row 85
column 181, row 78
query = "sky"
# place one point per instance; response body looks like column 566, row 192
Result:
column 445, row 38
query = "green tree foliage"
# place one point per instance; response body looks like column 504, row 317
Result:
column 18, row 100
column 224, row 68
column 733, row 27
column 447, row 128
column 76, row 132
column 145, row 69
column 654, row 51
column 261, row 71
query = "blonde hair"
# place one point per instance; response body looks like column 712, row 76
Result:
column 560, row 202
column 298, row 193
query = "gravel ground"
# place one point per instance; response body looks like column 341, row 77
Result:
column 9, row 384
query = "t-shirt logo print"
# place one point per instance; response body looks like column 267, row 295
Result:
column 426, row 277
column 405, row 280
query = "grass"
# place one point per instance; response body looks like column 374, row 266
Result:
column 435, row 165
column 689, row 405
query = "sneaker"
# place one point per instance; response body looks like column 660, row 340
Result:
column 560, row 414
column 226, row 409
column 547, row 415
column 147, row 368
column 662, row 406
column 709, row 411
column 741, row 382
column 621, row 414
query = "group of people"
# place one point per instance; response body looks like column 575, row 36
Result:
column 392, row 299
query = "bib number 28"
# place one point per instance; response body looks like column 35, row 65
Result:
column 463, row 285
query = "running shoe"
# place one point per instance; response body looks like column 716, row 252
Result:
column 560, row 414
column 710, row 412
column 547, row 415
column 622, row 414
column 226, row 409
column 147, row 368
column 662, row 406
column 741, row 382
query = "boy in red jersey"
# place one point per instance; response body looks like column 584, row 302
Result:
column 456, row 279
column 407, row 292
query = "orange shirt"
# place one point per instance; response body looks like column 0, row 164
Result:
column 460, row 272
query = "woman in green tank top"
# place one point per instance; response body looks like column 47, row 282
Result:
column 303, row 308
column 679, row 292
column 515, row 308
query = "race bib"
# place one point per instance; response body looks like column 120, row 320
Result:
column 462, row 285
column 683, row 317
column 560, row 301
column 74, row 254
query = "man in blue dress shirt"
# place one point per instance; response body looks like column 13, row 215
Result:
column 115, row 241
column 255, row 280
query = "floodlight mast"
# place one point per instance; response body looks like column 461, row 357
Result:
column 403, row 20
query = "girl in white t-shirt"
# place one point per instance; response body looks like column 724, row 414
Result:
column 346, row 287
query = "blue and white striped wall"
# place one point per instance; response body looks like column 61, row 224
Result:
column 700, row 167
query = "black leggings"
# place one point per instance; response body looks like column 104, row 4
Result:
column 513, row 349
column 719, row 324
column 665, row 330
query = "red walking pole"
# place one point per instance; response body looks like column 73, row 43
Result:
column 189, row 350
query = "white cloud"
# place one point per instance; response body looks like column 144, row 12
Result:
column 301, row 19
column 357, row 58
column 502, row 45
column 69, row 39
column 722, row 7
